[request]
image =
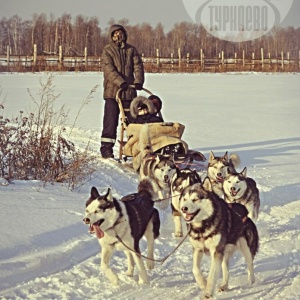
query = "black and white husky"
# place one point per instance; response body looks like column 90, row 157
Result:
column 218, row 168
column 180, row 180
column 219, row 230
column 239, row 188
column 119, row 225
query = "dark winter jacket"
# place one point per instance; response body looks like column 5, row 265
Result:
column 119, row 65
column 151, row 117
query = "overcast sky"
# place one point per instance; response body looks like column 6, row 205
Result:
column 168, row 12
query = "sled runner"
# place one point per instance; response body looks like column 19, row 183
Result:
column 165, row 137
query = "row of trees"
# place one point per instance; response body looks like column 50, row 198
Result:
column 76, row 34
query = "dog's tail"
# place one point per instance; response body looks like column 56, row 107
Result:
column 251, row 235
column 145, row 188
column 145, row 141
column 235, row 160
column 156, row 223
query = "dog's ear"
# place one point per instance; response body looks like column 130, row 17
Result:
column 196, row 176
column 108, row 195
column 94, row 193
column 207, row 184
column 225, row 157
column 157, row 158
column 244, row 172
column 211, row 156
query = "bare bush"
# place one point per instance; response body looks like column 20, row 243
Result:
column 34, row 146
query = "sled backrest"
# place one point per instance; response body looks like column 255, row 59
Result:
column 124, row 112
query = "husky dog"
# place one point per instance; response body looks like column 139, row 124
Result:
column 218, row 167
column 219, row 230
column 120, row 225
column 180, row 180
column 242, row 189
column 159, row 169
column 156, row 168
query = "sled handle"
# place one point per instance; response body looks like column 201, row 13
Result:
column 124, row 118
column 131, row 86
column 119, row 100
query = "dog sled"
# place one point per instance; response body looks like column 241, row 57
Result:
column 163, row 137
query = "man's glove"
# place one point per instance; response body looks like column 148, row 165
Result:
column 124, row 86
column 138, row 86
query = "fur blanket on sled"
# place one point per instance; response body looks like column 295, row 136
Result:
column 152, row 136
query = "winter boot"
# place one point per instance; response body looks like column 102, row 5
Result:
column 106, row 150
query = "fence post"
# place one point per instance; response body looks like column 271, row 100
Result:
column 60, row 57
column 157, row 57
column 262, row 57
column 179, row 58
column 85, row 57
column 243, row 58
column 8, row 56
column 282, row 62
column 187, row 59
column 34, row 55
column 253, row 60
column 222, row 57
column 201, row 57
column 172, row 60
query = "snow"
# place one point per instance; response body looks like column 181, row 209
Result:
column 46, row 251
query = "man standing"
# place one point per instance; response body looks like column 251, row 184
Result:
column 122, row 66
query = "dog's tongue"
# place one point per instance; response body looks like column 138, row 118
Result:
column 98, row 231
column 233, row 193
column 220, row 179
column 188, row 217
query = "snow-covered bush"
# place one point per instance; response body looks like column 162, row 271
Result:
column 35, row 147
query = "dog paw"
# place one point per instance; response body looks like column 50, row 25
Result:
column 129, row 273
column 178, row 234
column 251, row 280
column 223, row 288
column 143, row 281
column 115, row 282
column 114, row 279
column 202, row 283
column 207, row 296
column 150, row 265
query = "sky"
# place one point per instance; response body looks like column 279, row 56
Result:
column 168, row 12
column 46, row 251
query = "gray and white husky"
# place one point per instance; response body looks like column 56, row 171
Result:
column 119, row 225
column 218, row 168
column 180, row 180
column 159, row 170
column 239, row 188
column 219, row 230
column 156, row 169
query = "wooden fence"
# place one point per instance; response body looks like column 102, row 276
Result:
column 158, row 64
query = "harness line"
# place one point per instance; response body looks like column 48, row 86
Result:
column 167, row 198
column 161, row 261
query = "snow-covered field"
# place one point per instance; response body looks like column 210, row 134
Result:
column 45, row 249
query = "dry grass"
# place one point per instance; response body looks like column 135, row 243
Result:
column 35, row 147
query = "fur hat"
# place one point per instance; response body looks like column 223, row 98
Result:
column 138, row 102
column 156, row 102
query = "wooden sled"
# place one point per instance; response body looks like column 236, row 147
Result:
column 165, row 138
